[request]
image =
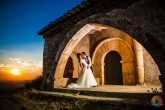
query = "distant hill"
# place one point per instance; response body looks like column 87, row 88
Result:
column 11, row 85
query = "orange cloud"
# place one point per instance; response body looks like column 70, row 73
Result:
column 29, row 69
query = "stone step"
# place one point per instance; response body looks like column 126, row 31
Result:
column 139, row 96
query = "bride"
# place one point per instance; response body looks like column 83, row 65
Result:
column 86, row 78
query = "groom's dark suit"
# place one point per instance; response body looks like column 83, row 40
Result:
column 88, row 60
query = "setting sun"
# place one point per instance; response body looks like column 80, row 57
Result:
column 15, row 71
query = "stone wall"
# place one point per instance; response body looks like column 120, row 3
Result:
column 151, row 71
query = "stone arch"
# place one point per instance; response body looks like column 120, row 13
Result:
column 116, row 19
column 73, row 41
column 88, row 28
column 103, row 49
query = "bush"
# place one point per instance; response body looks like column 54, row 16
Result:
column 35, row 84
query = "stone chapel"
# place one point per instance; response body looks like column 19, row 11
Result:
column 124, row 38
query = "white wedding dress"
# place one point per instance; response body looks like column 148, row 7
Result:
column 86, row 78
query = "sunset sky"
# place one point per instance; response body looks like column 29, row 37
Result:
column 20, row 46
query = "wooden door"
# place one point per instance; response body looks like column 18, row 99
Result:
column 113, row 69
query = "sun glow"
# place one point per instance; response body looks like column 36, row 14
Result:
column 15, row 71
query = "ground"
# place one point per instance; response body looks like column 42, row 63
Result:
column 71, row 99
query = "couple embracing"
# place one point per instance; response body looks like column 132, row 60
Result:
column 86, row 78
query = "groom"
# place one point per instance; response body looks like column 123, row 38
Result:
column 87, row 59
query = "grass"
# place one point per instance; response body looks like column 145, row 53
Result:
column 35, row 83
column 25, row 99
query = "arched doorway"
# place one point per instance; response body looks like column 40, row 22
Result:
column 128, row 64
column 68, row 73
column 113, row 69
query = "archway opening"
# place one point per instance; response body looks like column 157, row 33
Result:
column 113, row 69
column 102, row 39
column 68, row 73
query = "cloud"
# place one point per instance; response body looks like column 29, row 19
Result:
column 25, row 65
column 29, row 63
column 15, row 59
column 4, row 66
column 1, row 65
